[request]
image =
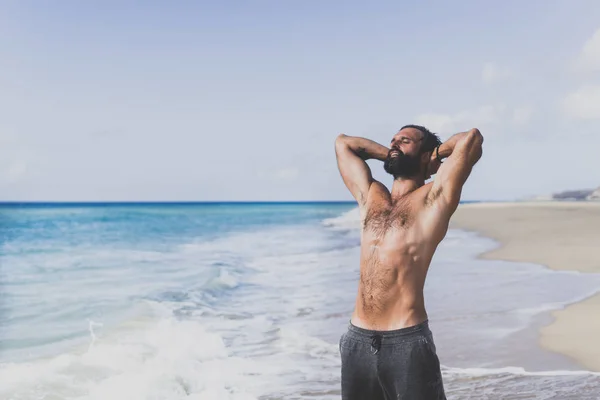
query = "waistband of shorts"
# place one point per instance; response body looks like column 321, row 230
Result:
column 412, row 332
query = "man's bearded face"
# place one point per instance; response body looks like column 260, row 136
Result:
column 402, row 165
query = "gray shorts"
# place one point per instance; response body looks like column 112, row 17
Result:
column 398, row 364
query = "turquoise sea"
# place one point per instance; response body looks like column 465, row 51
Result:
column 247, row 301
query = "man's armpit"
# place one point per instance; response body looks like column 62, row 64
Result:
column 433, row 195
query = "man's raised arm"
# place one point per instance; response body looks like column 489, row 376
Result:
column 462, row 151
column 351, row 153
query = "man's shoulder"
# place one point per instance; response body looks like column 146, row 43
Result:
column 378, row 193
column 379, row 188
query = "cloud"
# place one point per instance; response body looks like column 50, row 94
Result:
column 492, row 73
column 461, row 121
column 589, row 58
column 584, row 103
column 522, row 115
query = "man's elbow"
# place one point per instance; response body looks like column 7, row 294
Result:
column 474, row 138
column 471, row 145
column 475, row 145
column 472, row 141
column 341, row 142
column 340, row 139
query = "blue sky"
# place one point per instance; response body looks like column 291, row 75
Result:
column 243, row 100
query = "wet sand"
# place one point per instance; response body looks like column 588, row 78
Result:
column 560, row 236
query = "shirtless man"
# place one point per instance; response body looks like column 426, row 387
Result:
column 388, row 351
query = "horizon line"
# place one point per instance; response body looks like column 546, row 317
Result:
column 192, row 202
column 173, row 201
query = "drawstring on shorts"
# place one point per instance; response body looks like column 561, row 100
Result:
column 375, row 343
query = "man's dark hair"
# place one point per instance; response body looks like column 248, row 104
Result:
column 430, row 140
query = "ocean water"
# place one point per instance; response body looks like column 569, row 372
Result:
column 248, row 301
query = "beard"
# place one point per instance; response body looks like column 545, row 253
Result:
column 402, row 165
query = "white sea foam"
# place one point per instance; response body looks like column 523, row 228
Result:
column 159, row 356
column 150, row 358
column 477, row 372
column 347, row 221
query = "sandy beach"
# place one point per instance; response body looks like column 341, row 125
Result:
column 560, row 236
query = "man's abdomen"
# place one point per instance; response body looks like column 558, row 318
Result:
column 389, row 298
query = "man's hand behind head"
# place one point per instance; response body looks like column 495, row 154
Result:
column 433, row 166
